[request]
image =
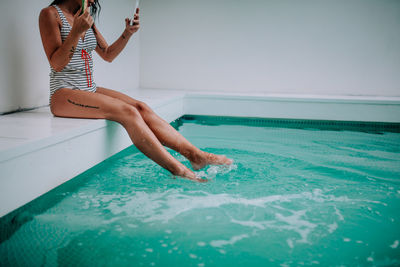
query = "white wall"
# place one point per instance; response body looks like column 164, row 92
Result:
column 24, row 70
column 339, row 47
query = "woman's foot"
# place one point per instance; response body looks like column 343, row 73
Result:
column 188, row 174
column 209, row 159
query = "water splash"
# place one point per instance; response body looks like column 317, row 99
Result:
column 213, row 170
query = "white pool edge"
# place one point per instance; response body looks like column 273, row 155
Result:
column 30, row 170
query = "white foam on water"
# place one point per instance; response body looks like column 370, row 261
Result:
column 371, row 257
column 340, row 216
column 166, row 205
column 346, row 239
column 233, row 240
column 147, row 202
column 201, row 244
column 332, row 227
column 262, row 225
column 155, row 207
column 193, row 256
column 201, row 174
column 86, row 205
column 295, row 223
column 290, row 242
column 395, row 244
column 212, row 171
column 294, row 219
column 163, row 206
column 111, row 220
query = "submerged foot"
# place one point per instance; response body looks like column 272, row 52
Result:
column 188, row 174
column 210, row 159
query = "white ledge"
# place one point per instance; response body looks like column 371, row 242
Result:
column 38, row 151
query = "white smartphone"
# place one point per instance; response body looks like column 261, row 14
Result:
column 136, row 7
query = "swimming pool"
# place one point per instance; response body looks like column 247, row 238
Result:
column 299, row 193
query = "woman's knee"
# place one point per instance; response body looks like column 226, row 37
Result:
column 125, row 113
column 143, row 108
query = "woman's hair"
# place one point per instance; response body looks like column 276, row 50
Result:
column 94, row 9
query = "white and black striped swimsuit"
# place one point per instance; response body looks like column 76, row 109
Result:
column 78, row 74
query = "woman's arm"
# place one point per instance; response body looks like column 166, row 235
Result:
column 109, row 53
column 60, row 53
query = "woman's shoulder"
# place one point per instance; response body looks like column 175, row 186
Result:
column 49, row 14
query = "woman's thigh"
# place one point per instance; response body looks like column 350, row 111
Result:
column 121, row 96
column 81, row 104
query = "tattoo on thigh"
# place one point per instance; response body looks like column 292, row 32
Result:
column 81, row 105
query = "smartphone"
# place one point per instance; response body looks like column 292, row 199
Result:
column 83, row 6
column 136, row 7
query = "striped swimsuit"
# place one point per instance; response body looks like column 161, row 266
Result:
column 78, row 74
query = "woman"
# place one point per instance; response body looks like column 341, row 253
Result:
column 68, row 39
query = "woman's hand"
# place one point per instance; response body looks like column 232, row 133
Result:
column 83, row 22
column 132, row 26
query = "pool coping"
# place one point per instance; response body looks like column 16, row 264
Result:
column 41, row 152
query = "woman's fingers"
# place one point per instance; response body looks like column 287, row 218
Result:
column 135, row 22
column 136, row 13
column 90, row 21
column 136, row 19
column 87, row 17
column 86, row 13
column 127, row 22
column 132, row 25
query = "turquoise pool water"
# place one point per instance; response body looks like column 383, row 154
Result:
column 298, row 195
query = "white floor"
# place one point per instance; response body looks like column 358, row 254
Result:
column 39, row 151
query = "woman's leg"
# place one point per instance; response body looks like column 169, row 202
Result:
column 167, row 135
column 81, row 104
